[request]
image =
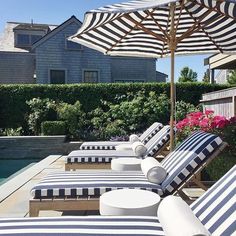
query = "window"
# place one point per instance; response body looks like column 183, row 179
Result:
column 27, row 39
column 57, row 76
column 23, row 39
column 91, row 76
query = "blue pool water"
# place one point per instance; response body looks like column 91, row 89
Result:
column 9, row 167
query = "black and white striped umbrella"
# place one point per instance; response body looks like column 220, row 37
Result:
column 159, row 28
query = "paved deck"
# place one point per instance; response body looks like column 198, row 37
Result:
column 15, row 194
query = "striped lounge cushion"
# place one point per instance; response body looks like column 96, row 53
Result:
column 83, row 226
column 110, row 145
column 150, row 132
column 101, row 145
column 158, row 141
column 90, row 183
column 187, row 157
column 99, row 156
column 216, row 208
column 96, row 156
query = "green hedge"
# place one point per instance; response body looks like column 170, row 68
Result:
column 53, row 128
column 13, row 97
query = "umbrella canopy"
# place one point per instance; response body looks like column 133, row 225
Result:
column 159, row 28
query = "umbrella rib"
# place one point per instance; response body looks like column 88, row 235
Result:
column 157, row 36
column 158, row 25
column 200, row 27
column 215, row 8
column 136, row 24
column 181, row 10
column 196, row 25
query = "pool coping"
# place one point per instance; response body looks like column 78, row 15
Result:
column 9, row 187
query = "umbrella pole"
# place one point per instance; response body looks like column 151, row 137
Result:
column 172, row 99
column 172, row 47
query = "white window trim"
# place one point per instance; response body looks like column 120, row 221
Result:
column 71, row 49
column 49, row 70
column 90, row 70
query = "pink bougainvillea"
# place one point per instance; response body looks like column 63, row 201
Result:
column 203, row 121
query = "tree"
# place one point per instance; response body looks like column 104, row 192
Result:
column 187, row 75
column 206, row 78
column 232, row 77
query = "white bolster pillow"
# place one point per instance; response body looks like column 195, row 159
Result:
column 133, row 138
column 124, row 147
column 177, row 218
column 153, row 170
column 139, row 149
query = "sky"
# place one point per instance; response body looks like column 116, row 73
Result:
column 58, row 11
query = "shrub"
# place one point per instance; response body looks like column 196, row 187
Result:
column 73, row 116
column 13, row 97
column 53, row 128
column 40, row 110
column 183, row 108
column 219, row 125
column 133, row 114
column 11, row 132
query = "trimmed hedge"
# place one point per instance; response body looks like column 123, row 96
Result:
column 13, row 98
column 53, row 128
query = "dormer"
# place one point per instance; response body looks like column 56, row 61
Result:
column 25, row 35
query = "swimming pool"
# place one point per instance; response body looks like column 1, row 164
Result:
column 10, row 167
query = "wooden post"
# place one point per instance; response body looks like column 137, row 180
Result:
column 172, row 47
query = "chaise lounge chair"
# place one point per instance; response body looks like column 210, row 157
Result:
column 101, row 159
column 215, row 209
column 110, row 145
column 80, row 190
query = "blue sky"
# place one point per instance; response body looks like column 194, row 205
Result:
column 58, row 11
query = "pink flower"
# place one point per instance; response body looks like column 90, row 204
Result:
column 196, row 115
column 232, row 120
column 209, row 112
column 219, row 122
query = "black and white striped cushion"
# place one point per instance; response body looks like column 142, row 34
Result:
column 216, row 208
column 158, row 141
column 82, row 226
column 182, row 162
column 99, row 156
column 150, row 132
column 110, row 145
column 90, row 183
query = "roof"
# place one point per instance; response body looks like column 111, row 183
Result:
column 56, row 30
column 7, row 42
column 32, row 26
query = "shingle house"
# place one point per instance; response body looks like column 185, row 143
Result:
column 39, row 53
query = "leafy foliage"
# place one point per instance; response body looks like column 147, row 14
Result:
column 13, row 107
column 206, row 78
column 232, row 77
column 53, row 128
column 40, row 110
column 187, row 75
column 183, row 108
column 73, row 116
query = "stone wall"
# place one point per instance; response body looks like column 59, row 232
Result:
column 35, row 146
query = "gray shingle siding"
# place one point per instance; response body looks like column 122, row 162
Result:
column 52, row 54
column 142, row 69
column 16, row 68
